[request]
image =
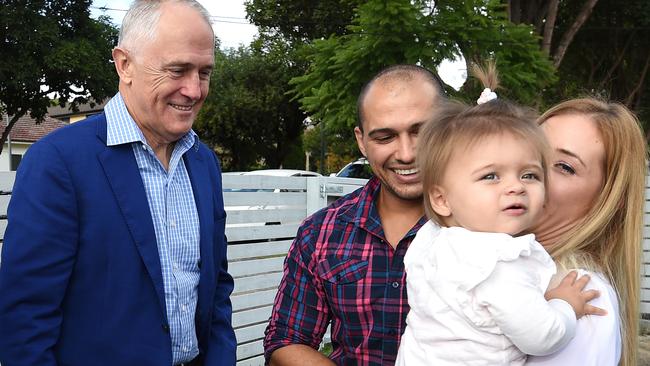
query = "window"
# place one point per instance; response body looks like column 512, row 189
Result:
column 15, row 161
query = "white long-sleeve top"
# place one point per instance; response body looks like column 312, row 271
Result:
column 598, row 338
column 478, row 299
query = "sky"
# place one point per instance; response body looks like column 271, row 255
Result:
column 233, row 29
column 229, row 18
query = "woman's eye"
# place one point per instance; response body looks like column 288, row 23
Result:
column 566, row 168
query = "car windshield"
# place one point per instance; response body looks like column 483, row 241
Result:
column 356, row 170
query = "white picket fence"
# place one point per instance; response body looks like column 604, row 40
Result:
column 260, row 228
column 264, row 214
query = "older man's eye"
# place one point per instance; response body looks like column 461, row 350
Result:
column 176, row 72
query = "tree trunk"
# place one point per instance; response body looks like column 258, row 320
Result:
column 8, row 128
column 637, row 88
column 619, row 59
column 567, row 37
column 540, row 14
column 514, row 11
column 549, row 25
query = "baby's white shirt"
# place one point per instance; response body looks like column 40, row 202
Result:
column 478, row 299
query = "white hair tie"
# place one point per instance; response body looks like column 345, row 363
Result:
column 486, row 96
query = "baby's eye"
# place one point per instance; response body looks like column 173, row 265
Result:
column 490, row 176
column 530, row 176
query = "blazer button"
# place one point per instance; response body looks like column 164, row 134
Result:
column 165, row 328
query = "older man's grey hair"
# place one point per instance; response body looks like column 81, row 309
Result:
column 140, row 23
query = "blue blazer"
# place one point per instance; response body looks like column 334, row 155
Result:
column 80, row 277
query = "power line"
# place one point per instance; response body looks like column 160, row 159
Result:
column 220, row 19
column 213, row 18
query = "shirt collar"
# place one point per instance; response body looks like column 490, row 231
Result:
column 367, row 216
column 122, row 129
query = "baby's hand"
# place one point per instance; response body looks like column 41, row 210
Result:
column 571, row 291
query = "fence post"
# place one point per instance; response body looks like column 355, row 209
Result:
column 316, row 198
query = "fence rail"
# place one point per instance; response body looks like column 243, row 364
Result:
column 263, row 216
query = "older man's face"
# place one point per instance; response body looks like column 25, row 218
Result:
column 171, row 75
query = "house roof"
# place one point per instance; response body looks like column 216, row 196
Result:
column 58, row 111
column 26, row 129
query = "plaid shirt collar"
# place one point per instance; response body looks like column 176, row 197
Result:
column 366, row 216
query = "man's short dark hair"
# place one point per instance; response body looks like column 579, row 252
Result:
column 402, row 72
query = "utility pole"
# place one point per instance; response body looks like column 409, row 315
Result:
column 8, row 140
column 9, row 145
column 322, row 147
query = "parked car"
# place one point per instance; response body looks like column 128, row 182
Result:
column 359, row 168
column 269, row 173
column 282, row 173
column 272, row 173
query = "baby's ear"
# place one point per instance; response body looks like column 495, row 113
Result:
column 438, row 201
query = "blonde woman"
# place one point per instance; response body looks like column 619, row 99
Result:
column 593, row 221
column 476, row 279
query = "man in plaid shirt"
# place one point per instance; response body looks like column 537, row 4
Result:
column 346, row 263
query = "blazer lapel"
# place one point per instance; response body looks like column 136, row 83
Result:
column 199, row 174
column 123, row 175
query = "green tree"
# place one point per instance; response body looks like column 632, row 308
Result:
column 301, row 21
column 247, row 116
column 55, row 44
column 386, row 32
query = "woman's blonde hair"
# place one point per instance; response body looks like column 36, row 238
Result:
column 608, row 240
column 457, row 126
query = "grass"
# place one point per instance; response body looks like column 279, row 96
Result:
column 326, row 349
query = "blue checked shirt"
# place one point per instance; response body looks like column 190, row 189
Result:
column 176, row 223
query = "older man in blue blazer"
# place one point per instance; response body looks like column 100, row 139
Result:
column 115, row 252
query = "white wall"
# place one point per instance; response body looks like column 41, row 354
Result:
column 17, row 148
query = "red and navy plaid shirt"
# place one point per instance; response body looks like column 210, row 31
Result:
column 341, row 268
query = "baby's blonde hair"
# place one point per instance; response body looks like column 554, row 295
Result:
column 457, row 126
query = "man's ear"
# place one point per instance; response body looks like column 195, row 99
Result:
column 438, row 201
column 358, row 134
column 123, row 65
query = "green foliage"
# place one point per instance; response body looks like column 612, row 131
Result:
column 53, row 43
column 482, row 31
column 247, row 116
column 301, row 21
column 333, row 149
column 386, row 32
